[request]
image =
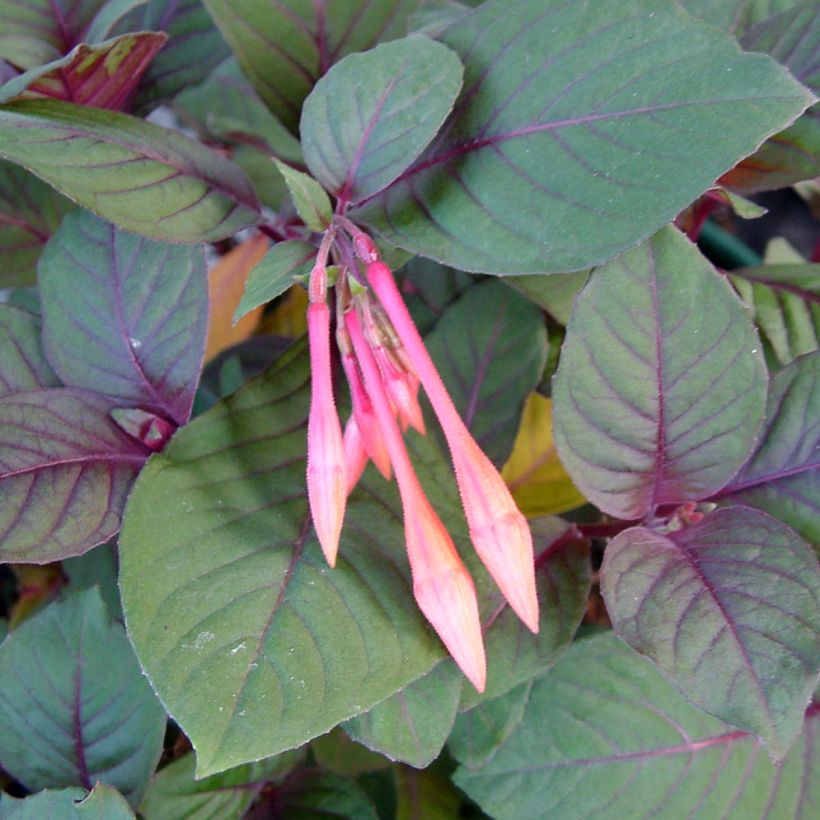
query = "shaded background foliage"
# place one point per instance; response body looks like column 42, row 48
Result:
column 166, row 169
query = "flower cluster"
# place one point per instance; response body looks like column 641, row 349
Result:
column 385, row 361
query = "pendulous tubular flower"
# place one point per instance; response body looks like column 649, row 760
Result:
column 498, row 529
column 326, row 479
column 385, row 361
column 442, row 585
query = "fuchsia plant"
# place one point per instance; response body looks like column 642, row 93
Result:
column 552, row 550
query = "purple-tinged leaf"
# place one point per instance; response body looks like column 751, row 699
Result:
column 793, row 39
column 582, row 114
column 490, row 347
column 412, row 726
column 661, row 388
column 312, row 793
column 73, row 803
column 103, row 76
column 143, row 177
column 372, row 114
column 23, row 365
column 783, row 475
column 34, row 32
column 194, row 48
column 29, row 212
column 604, row 735
column 75, row 709
column 729, row 609
column 125, row 316
column 65, row 472
column 285, row 49
column 785, row 301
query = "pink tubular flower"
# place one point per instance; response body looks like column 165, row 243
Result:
column 498, row 530
column 442, row 586
column 326, row 481
column 402, row 390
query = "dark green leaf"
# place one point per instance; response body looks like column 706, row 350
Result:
column 226, row 107
column 729, row 609
column 101, row 803
column 75, row 708
column 735, row 16
column 315, row 794
column 145, row 178
column 428, row 288
column 123, row 315
column 661, row 388
column 311, row 202
column 412, row 726
column 29, row 212
column 174, row 794
column 480, row 732
column 245, row 625
column 401, row 93
column 65, row 472
column 785, row 301
column 38, row 31
column 583, row 114
column 555, row 292
column 284, row 50
column 23, row 365
column 338, row 753
column 103, row 75
column 783, row 475
column 97, row 567
column 793, row 39
column 193, row 49
column 275, row 273
column 604, row 735
column 490, row 347
column 425, row 794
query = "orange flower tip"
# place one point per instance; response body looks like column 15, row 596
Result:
column 355, row 455
column 448, row 601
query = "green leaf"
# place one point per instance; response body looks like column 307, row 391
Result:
column 103, row 75
column 194, row 48
column 598, row 132
column 782, row 476
column 144, row 178
column 75, row 708
column 562, row 578
column 101, row 803
column 174, row 794
column 38, row 31
column 729, row 609
column 275, row 273
column 29, row 213
column 226, row 107
column 785, row 302
column 793, row 39
column 401, row 93
column 316, row 794
column 338, row 753
column 480, row 732
column 311, row 202
column 284, row 50
column 661, row 388
column 23, row 365
column 412, row 726
column 735, row 16
column 428, row 288
column 65, row 472
column 555, row 292
column 245, row 625
column 490, row 347
column 123, row 315
column 97, row 568
column 425, row 794
column 604, row 735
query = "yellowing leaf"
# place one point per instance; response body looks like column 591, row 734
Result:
column 538, row 482
column 226, row 284
column 288, row 317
